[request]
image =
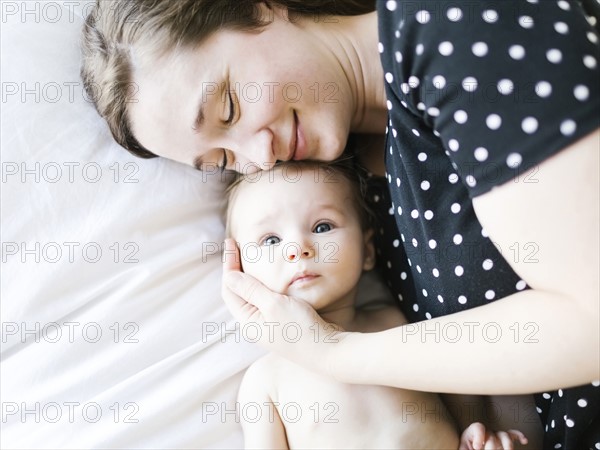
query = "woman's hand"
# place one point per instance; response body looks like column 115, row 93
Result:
column 476, row 437
column 283, row 324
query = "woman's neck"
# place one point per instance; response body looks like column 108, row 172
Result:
column 354, row 42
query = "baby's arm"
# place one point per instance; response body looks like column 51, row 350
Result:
column 263, row 429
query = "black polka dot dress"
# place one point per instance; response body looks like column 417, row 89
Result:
column 479, row 94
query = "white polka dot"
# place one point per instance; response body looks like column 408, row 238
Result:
column 505, row 86
column 428, row 316
column 422, row 156
column 596, row 383
column 394, row 132
column 529, row 125
column 397, row 33
column 479, row 49
column 391, row 5
column 425, row 185
column 428, row 214
column 439, row 81
column 436, row 273
column 514, row 160
column 424, row 293
column 403, row 103
column 521, row 285
column 484, row 233
column 440, row 299
column 487, row 264
column 389, row 77
column 455, row 208
column 490, row 15
column 414, row 214
column 526, row 21
column 516, row 52
column 459, row 271
column 469, row 84
column 414, row 242
column 416, row 307
column 592, row 37
column 399, row 210
column 554, row 55
column 562, row 4
column 453, row 145
column 570, row 423
column 560, row 392
column 462, row 299
column 405, row 88
column 389, row 105
column 481, row 154
column 419, row 49
column 591, row 19
column 380, row 47
column 398, row 57
column 403, row 276
column 396, row 243
column 433, row 111
column 561, row 27
column 581, row 92
column 543, row 89
column 398, row 184
column 589, row 61
column 457, row 239
column 453, row 178
column 454, row 14
column 489, row 295
column 493, row 121
column 546, row 396
column 432, row 243
column 555, row 445
column 446, row 48
column 471, row 181
column 582, row 402
column 423, row 16
column 553, row 424
column 389, row 265
column 568, row 127
column 419, row 268
column 413, row 82
column 460, row 116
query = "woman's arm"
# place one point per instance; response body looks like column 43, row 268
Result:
column 548, row 335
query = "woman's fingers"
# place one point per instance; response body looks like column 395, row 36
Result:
column 231, row 257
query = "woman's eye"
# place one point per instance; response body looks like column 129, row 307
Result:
column 271, row 240
column 323, row 228
column 231, row 109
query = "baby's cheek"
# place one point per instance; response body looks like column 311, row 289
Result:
column 266, row 265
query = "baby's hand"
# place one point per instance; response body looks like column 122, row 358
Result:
column 476, row 437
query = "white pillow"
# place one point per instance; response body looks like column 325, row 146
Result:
column 96, row 240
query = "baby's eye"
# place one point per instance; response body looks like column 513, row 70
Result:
column 271, row 240
column 323, row 228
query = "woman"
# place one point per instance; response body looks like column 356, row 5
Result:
column 491, row 118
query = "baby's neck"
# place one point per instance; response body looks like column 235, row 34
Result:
column 341, row 313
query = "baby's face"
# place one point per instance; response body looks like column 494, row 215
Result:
column 300, row 235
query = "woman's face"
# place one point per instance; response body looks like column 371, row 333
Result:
column 245, row 99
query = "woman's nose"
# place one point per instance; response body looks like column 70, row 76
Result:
column 258, row 152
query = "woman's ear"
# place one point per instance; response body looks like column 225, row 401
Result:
column 369, row 250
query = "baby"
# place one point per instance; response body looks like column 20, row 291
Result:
column 303, row 230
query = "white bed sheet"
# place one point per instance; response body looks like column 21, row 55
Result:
column 67, row 187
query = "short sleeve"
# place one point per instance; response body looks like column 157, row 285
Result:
column 504, row 84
